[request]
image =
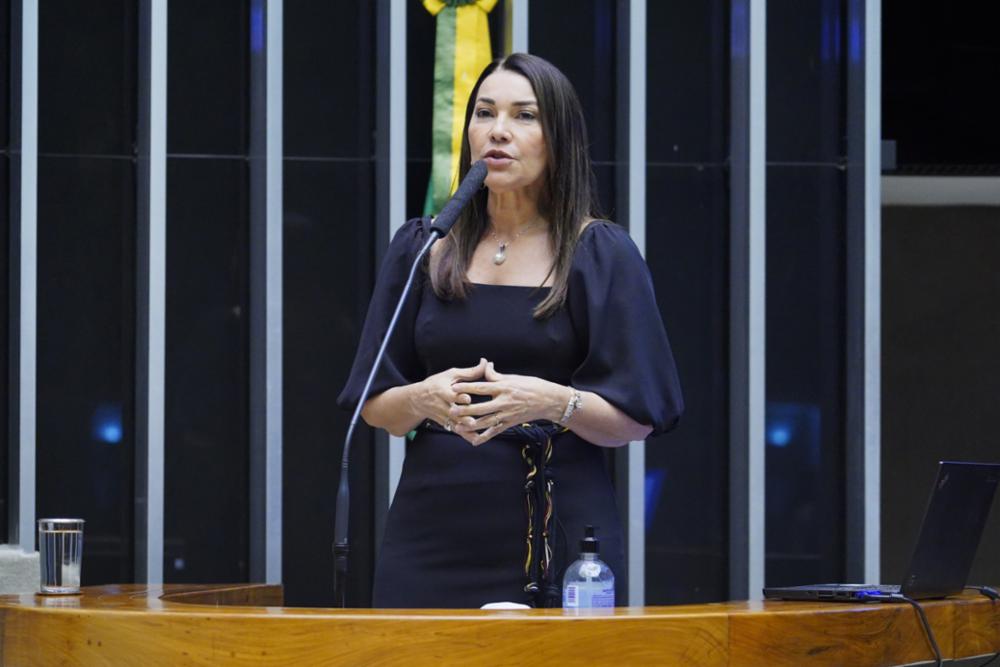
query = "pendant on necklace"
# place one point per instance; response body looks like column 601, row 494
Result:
column 501, row 255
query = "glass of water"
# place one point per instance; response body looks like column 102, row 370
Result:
column 60, row 553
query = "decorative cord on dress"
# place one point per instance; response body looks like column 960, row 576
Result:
column 542, row 588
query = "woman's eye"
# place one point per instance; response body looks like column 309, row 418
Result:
column 526, row 115
column 483, row 113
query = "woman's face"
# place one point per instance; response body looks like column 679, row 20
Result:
column 506, row 131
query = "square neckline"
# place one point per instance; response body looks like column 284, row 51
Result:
column 427, row 220
column 475, row 284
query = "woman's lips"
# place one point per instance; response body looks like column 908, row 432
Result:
column 498, row 160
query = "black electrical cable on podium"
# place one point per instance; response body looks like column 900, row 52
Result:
column 985, row 590
column 920, row 614
column 927, row 628
column 440, row 227
column 989, row 660
column 991, row 593
column 994, row 596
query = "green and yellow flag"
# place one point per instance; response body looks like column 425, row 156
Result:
column 462, row 50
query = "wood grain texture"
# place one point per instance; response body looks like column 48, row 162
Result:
column 839, row 634
column 246, row 595
column 977, row 627
column 134, row 625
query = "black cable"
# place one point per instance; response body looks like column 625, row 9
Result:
column 920, row 613
column 990, row 659
column 927, row 628
column 341, row 545
column 992, row 594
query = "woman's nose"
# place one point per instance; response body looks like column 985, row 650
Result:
column 499, row 131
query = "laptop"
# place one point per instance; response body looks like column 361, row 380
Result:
column 949, row 536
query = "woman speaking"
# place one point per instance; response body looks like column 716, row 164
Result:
column 532, row 342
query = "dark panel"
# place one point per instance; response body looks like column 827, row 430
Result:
column 327, row 282
column 805, row 374
column 940, row 365
column 687, row 471
column 328, row 106
column 207, row 364
column 806, row 50
column 86, row 365
column 418, row 173
column 604, row 176
column 687, row 94
column 939, row 74
column 328, row 250
column 4, row 253
column 86, row 77
column 5, row 76
column 578, row 37
column 420, row 32
column 4, row 338
column 687, row 249
column 208, row 75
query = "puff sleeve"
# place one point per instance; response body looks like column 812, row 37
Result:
column 627, row 357
column 400, row 366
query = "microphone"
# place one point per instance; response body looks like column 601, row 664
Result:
column 441, row 225
column 473, row 180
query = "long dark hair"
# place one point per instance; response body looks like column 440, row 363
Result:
column 567, row 174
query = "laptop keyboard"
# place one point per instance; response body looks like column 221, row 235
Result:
column 892, row 588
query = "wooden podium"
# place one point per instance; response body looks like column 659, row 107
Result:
column 246, row 625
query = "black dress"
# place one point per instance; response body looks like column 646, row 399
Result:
column 456, row 532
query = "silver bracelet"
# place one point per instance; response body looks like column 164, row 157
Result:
column 575, row 403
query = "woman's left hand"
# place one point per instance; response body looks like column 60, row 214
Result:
column 514, row 399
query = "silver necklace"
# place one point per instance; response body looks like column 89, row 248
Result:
column 501, row 254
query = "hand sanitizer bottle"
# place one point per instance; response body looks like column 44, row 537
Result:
column 588, row 582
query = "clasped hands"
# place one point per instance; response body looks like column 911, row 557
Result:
column 513, row 399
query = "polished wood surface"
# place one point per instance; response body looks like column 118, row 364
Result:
column 245, row 624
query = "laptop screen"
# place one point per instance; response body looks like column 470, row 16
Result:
column 953, row 525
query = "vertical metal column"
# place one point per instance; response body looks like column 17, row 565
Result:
column 863, row 291
column 266, row 25
column 872, row 31
column 23, row 271
column 635, row 203
column 515, row 14
column 747, row 299
column 390, row 202
column 151, row 275
column 397, row 176
column 275, row 285
column 873, row 288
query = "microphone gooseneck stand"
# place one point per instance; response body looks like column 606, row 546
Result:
column 341, row 547
column 439, row 228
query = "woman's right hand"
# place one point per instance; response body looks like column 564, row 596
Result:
column 435, row 395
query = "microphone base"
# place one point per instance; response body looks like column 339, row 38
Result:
column 340, row 553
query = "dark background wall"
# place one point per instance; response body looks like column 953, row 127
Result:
column 939, row 65
column 687, row 249
column 807, row 58
column 329, row 270
column 936, row 266
column 86, row 274
column 940, row 278
column 87, row 260
column 5, row 208
column 206, row 437
column 940, row 365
